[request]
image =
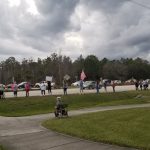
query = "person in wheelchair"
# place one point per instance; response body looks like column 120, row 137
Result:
column 60, row 108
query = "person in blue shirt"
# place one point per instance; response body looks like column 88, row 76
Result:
column 81, row 86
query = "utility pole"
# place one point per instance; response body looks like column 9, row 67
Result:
column 1, row 68
column 59, row 56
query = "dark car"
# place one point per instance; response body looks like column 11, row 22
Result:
column 89, row 85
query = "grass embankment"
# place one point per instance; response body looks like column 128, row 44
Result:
column 1, row 148
column 122, row 127
column 40, row 105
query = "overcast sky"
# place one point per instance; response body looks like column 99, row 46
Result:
column 105, row 28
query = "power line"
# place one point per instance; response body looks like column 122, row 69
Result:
column 134, row 2
column 139, row 4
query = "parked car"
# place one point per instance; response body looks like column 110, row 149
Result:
column 107, row 81
column 21, row 85
column 37, row 85
column 8, row 86
column 117, row 81
column 130, row 81
column 77, row 83
column 89, row 84
column 3, row 85
column 147, row 80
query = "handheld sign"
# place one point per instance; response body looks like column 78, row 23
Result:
column 49, row 78
column 67, row 77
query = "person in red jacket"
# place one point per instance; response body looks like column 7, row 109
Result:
column 27, row 88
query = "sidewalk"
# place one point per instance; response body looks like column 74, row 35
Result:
column 26, row 133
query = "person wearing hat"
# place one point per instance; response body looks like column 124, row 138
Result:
column 65, row 86
column 58, row 102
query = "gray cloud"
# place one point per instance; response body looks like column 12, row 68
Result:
column 56, row 14
column 109, row 6
column 106, row 28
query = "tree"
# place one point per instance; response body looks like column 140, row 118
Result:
column 78, row 65
column 91, row 64
column 115, row 71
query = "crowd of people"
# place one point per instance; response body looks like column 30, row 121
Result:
column 142, row 85
column 14, row 89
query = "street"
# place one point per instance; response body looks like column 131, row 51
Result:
column 71, row 91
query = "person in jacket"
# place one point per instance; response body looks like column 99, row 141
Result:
column 65, row 86
column 49, row 87
column 43, row 88
column 14, row 89
column 97, row 86
column 81, row 86
column 27, row 88
column 2, row 94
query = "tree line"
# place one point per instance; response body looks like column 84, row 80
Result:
column 58, row 66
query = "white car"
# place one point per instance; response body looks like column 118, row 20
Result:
column 77, row 83
column 117, row 81
column 37, row 85
column 21, row 85
column 3, row 85
column 89, row 85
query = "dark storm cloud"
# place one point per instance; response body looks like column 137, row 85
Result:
column 106, row 28
column 42, row 31
column 127, row 28
column 56, row 14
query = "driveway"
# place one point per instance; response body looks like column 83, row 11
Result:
column 26, row 133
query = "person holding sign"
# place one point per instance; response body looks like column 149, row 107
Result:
column 49, row 86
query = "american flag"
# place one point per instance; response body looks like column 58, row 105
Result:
column 82, row 76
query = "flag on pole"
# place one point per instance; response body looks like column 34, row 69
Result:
column 82, row 76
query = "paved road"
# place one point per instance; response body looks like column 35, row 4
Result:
column 72, row 91
column 26, row 133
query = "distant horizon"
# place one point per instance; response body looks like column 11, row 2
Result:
column 100, row 59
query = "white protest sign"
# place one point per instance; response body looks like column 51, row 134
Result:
column 67, row 77
column 49, row 78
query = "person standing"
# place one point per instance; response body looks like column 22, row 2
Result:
column 81, row 86
column 2, row 94
column 141, row 85
column 137, row 85
column 49, row 87
column 15, row 89
column 105, row 86
column 65, row 86
column 113, row 86
column 0, row 91
column 43, row 88
column 97, row 86
column 27, row 88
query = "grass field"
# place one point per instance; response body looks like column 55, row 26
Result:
column 129, row 128
column 1, row 148
column 39, row 105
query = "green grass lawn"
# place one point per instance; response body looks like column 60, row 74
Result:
column 45, row 104
column 129, row 128
column 1, row 148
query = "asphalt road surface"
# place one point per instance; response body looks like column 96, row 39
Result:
column 72, row 91
column 26, row 133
